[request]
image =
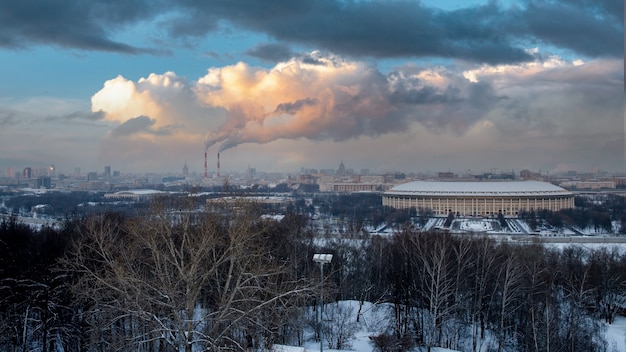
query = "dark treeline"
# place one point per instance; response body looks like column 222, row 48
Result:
column 599, row 214
column 63, row 204
column 176, row 279
column 470, row 293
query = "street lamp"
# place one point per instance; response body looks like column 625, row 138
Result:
column 322, row 259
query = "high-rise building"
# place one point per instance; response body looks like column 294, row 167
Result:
column 185, row 170
column 28, row 172
column 44, row 182
column 107, row 173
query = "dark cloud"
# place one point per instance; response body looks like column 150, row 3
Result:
column 294, row 107
column 376, row 29
column 212, row 54
column 455, row 108
column 491, row 33
column 7, row 118
column 85, row 25
column 414, row 96
column 310, row 59
column 272, row 52
column 78, row 115
column 81, row 115
column 140, row 124
column 588, row 28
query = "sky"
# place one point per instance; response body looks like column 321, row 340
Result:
column 280, row 85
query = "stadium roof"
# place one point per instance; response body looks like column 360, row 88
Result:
column 477, row 188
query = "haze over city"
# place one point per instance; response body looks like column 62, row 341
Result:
column 146, row 86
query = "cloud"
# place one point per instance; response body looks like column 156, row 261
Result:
column 72, row 24
column 140, row 124
column 293, row 107
column 592, row 28
column 78, row 115
column 272, row 52
column 7, row 118
column 325, row 99
column 492, row 33
column 336, row 99
column 314, row 96
column 155, row 118
column 167, row 98
column 81, row 115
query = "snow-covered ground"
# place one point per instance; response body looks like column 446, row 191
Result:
column 616, row 335
column 374, row 317
column 371, row 319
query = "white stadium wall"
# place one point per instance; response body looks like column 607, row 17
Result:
column 480, row 198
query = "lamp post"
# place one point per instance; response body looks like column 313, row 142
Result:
column 322, row 259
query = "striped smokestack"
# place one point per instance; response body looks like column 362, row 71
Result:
column 205, row 166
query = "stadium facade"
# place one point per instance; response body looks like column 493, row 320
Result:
column 479, row 198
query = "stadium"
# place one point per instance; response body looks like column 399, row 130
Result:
column 479, row 198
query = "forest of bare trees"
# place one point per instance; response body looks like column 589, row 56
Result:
column 226, row 278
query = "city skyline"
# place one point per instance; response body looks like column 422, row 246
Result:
column 396, row 85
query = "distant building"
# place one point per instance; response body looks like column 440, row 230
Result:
column 349, row 187
column 306, row 179
column 479, row 198
column 44, row 182
column 185, row 170
column 28, row 173
column 136, row 194
column 251, row 173
column 341, row 170
column 107, row 173
column 588, row 185
column 620, row 182
column 529, row 175
column 372, row 179
column 92, row 176
column 445, row 175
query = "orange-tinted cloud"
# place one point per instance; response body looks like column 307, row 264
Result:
column 320, row 97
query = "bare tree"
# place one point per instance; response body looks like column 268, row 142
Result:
column 340, row 328
column 608, row 275
column 483, row 274
column 510, row 280
column 436, row 259
column 183, row 278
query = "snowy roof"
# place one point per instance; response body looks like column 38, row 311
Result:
column 140, row 192
column 477, row 188
column 284, row 348
column 135, row 194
